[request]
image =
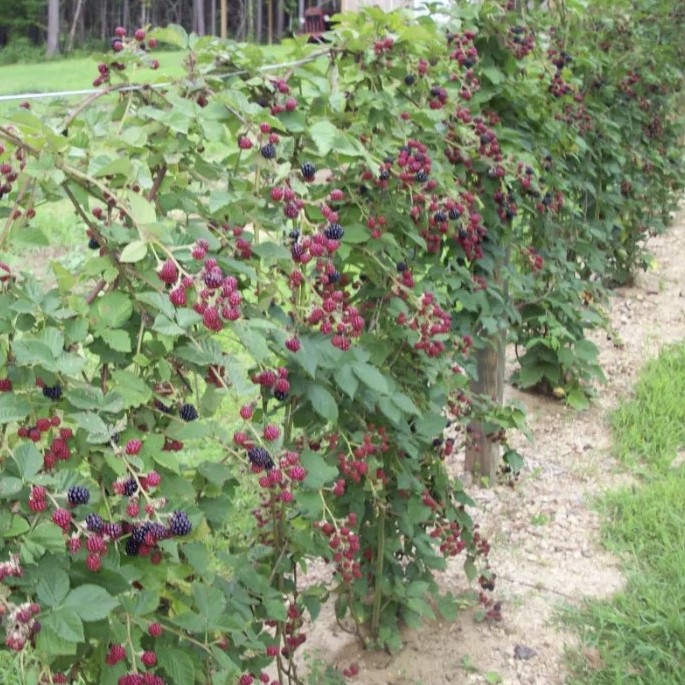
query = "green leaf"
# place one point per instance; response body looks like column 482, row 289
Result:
column 10, row 486
column 91, row 602
column 371, row 377
column 48, row 536
column 52, row 587
column 319, row 473
column 13, row 408
column 118, row 340
column 66, row 623
column 96, row 428
column 178, row 664
column 528, row 376
column 143, row 212
column 29, row 460
column 577, row 399
column 323, row 402
column 133, row 252
column 166, row 326
column 114, row 309
column 405, row 403
column 133, row 390
column 494, row 75
column 324, row 135
column 346, row 380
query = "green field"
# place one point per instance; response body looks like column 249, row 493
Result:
column 74, row 74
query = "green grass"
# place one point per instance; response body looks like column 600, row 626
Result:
column 74, row 74
column 639, row 635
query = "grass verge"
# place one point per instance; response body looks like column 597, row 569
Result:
column 638, row 636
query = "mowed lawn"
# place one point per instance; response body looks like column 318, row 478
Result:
column 77, row 73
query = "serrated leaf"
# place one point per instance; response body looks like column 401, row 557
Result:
column 166, row 326
column 346, row 380
column 118, row 340
column 319, row 472
column 371, row 377
column 28, row 459
column 65, row 622
column 324, row 134
column 133, row 252
column 133, row 390
column 114, row 309
column 13, row 408
column 53, row 587
column 91, row 602
column 577, row 399
column 178, row 665
column 323, row 402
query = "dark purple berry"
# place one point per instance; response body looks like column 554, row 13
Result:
column 454, row 214
column 163, row 407
column 130, row 487
column 409, row 79
column 268, row 151
column 132, row 547
column 308, row 170
column 333, row 277
column 93, row 244
column 421, row 176
column 401, row 267
column 179, row 523
column 78, row 495
column 188, row 412
column 53, row 393
column 260, row 458
column 94, row 523
column 214, row 278
column 112, row 530
column 439, row 217
column 334, row 231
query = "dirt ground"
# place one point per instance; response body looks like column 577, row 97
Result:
column 544, row 533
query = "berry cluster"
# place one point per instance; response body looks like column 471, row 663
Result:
column 21, row 625
column 430, row 322
column 345, row 547
column 274, row 382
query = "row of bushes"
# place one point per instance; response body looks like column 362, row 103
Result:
column 296, row 265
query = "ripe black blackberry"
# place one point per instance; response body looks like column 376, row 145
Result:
column 94, row 523
column 268, row 151
column 308, row 170
column 78, row 495
column 384, row 175
column 294, row 235
column 421, row 176
column 334, row 231
column 132, row 547
column 409, row 79
column 454, row 214
column 439, row 217
column 260, row 457
column 333, row 277
column 401, row 267
column 93, row 244
column 188, row 412
column 53, row 393
column 179, row 523
column 280, row 395
column 113, row 530
column 130, row 487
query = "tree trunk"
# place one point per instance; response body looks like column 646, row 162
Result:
column 126, row 14
column 224, row 19
column 52, row 45
column 259, row 21
column 280, row 18
column 74, row 24
column 199, row 17
column 212, row 18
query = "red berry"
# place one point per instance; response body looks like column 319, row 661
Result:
column 120, row 31
column 168, row 273
column 293, row 344
column 34, row 435
column 62, row 518
column 152, row 43
column 55, row 421
column 94, row 564
column 244, row 143
column 116, row 654
column 271, row 432
column 139, row 35
column 5, row 385
column 133, row 447
column 118, row 46
column 154, row 629
column 246, row 411
column 149, row 659
column 153, row 479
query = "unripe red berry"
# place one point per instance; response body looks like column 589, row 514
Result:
column 120, row 31
column 149, row 659
column 133, row 447
column 154, row 629
column 271, row 432
column 139, row 35
column 246, row 412
column 152, row 43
